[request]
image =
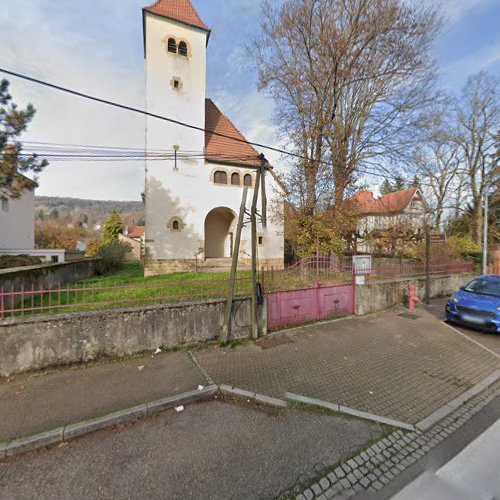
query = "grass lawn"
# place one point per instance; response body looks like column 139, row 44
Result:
column 128, row 287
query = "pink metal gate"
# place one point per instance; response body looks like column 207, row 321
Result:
column 314, row 289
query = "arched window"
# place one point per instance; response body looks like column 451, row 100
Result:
column 183, row 49
column 172, row 45
column 175, row 225
column 220, row 177
column 235, row 179
column 247, row 180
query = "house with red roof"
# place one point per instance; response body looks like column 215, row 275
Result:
column 195, row 175
column 134, row 236
column 405, row 210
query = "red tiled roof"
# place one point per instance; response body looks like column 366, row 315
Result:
column 390, row 203
column 223, row 148
column 135, row 231
column 178, row 10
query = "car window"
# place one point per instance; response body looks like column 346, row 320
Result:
column 484, row 287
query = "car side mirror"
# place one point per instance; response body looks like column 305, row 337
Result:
column 462, row 288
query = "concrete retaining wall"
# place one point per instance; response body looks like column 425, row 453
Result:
column 384, row 294
column 39, row 342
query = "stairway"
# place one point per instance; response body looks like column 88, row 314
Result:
column 218, row 265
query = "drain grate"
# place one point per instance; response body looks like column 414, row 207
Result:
column 409, row 315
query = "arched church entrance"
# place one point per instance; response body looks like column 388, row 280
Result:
column 219, row 231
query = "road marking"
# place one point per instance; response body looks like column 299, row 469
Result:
column 471, row 339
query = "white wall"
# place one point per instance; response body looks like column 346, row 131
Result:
column 187, row 192
column 17, row 225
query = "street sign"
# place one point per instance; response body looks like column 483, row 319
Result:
column 438, row 238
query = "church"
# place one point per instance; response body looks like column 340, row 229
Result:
column 192, row 195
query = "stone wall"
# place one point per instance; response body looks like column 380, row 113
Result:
column 381, row 295
column 40, row 342
column 46, row 275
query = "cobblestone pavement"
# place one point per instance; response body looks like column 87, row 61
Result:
column 386, row 364
column 382, row 462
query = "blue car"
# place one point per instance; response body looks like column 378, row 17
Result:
column 477, row 304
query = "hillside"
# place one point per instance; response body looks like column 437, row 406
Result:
column 88, row 212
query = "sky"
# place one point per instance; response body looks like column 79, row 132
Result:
column 95, row 46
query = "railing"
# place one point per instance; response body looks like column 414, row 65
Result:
column 415, row 270
column 97, row 294
column 91, row 295
column 310, row 272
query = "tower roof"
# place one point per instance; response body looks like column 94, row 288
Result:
column 178, row 10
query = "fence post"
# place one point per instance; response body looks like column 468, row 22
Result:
column 2, row 308
column 318, row 302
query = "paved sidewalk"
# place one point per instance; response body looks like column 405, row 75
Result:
column 389, row 365
column 400, row 367
column 34, row 403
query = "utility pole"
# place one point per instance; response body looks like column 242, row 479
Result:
column 253, row 223
column 263, row 164
column 226, row 328
column 427, row 264
column 485, row 234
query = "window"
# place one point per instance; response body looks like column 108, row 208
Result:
column 172, row 45
column 220, row 177
column 261, row 240
column 175, row 225
column 54, row 259
column 5, row 205
column 247, row 180
column 235, row 179
column 183, row 49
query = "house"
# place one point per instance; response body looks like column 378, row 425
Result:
column 17, row 219
column 134, row 236
column 192, row 199
column 404, row 209
column 17, row 228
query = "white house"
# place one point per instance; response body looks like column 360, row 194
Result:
column 192, row 199
column 404, row 209
column 17, row 220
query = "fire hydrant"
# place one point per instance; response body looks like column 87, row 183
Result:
column 412, row 298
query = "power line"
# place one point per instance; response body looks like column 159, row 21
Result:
column 143, row 112
column 177, row 122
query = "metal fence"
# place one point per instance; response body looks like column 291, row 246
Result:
column 310, row 272
column 415, row 270
column 98, row 294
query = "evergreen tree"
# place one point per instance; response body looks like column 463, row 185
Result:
column 112, row 228
column 13, row 122
column 415, row 182
column 386, row 187
column 399, row 184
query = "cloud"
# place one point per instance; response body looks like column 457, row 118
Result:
column 46, row 44
column 456, row 10
column 472, row 63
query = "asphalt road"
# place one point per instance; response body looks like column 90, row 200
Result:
column 211, row 450
column 488, row 340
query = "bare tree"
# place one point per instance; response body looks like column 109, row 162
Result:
column 477, row 121
column 437, row 160
column 350, row 78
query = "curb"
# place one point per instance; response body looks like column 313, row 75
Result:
column 349, row 411
column 254, row 396
column 61, row 434
column 452, row 405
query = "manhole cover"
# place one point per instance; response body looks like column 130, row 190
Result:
column 275, row 342
column 409, row 315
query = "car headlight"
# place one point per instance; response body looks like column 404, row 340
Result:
column 453, row 298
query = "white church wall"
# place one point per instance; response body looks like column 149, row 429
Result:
column 183, row 191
